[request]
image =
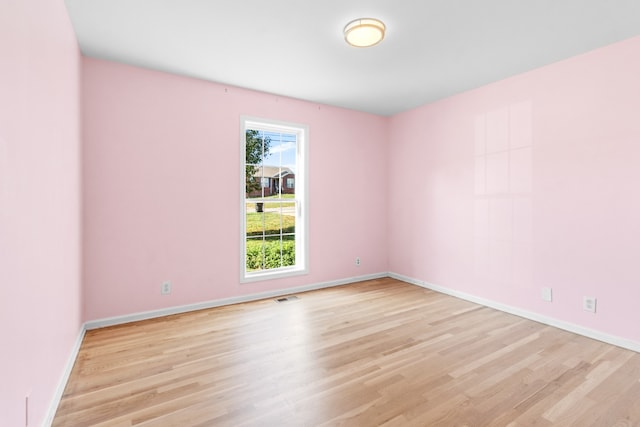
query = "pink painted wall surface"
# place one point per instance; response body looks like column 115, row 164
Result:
column 527, row 183
column 40, row 314
column 161, row 195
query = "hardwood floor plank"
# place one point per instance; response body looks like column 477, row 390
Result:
column 380, row 352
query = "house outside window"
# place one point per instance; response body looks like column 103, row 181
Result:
column 274, row 208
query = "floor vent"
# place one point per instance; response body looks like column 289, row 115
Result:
column 285, row 299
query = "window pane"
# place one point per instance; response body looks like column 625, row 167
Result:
column 270, row 234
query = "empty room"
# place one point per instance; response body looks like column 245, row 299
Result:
column 291, row 213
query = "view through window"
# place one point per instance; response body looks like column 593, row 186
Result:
column 274, row 227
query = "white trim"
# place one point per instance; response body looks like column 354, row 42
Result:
column 567, row 326
column 118, row 320
column 62, row 384
column 273, row 273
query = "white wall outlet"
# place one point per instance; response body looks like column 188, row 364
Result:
column 357, row 260
column 589, row 304
column 547, row 294
column 165, row 288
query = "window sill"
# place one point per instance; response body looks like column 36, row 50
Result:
column 274, row 274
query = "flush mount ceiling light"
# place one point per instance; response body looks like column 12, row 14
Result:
column 364, row 32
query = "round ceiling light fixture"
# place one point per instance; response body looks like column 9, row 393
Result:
column 364, row 32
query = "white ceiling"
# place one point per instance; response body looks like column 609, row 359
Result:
column 433, row 48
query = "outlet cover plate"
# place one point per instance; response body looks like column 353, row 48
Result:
column 547, row 294
column 165, row 288
column 589, row 304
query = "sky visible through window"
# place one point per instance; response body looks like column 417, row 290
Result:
column 283, row 150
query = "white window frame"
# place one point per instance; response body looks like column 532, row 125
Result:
column 302, row 191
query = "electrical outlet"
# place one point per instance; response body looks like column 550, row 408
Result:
column 165, row 288
column 589, row 304
column 546, row 294
column 358, row 260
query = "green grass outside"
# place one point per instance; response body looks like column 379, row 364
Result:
column 270, row 223
column 274, row 250
column 278, row 204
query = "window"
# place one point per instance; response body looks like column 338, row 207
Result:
column 274, row 207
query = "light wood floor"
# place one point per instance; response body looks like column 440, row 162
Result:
column 374, row 353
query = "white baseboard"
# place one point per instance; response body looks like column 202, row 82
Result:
column 55, row 400
column 118, row 320
column 567, row 326
column 100, row 323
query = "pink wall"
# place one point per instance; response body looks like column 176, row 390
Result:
column 527, row 183
column 161, row 165
column 497, row 192
column 40, row 315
